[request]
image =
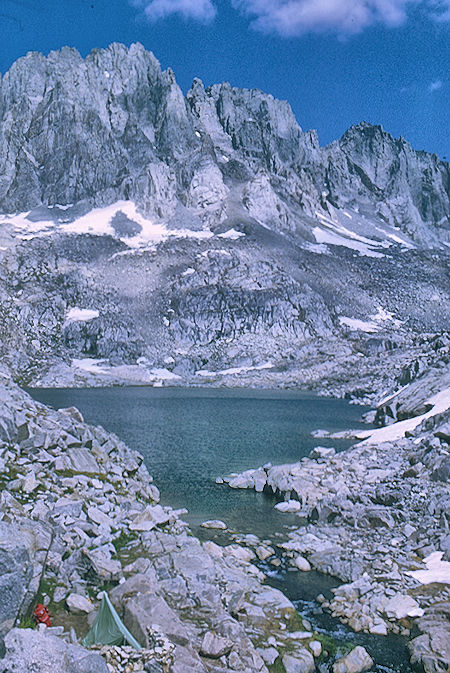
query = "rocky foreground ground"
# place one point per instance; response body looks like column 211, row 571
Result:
column 80, row 515
column 376, row 516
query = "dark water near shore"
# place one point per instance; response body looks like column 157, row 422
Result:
column 191, row 436
column 389, row 653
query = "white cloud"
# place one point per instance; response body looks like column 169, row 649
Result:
column 439, row 9
column 291, row 18
column 434, row 86
column 203, row 11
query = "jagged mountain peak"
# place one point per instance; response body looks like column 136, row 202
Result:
column 201, row 233
column 372, row 137
column 113, row 126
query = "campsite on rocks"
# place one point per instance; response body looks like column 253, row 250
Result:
column 224, row 380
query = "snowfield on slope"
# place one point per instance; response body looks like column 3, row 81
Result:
column 374, row 324
column 99, row 221
column 437, row 570
column 440, row 402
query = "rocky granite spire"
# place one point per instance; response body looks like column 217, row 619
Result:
column 114, row 126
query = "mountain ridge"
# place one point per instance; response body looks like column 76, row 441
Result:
column 152, row 238
column 208, row 233
column 131, row 117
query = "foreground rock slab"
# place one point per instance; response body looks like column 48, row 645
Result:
column 28, row 650
column 357, row 661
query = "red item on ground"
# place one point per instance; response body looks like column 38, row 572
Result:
column 42, row 615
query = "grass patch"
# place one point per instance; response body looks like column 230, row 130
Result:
column 26, row 623
column 332, row 646
column 293, row 621
column 277, row 666
column 93, row 590
column 68, row 473
column 124, row 540
column 47, row 587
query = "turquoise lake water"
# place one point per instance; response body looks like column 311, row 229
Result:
column 190, row 437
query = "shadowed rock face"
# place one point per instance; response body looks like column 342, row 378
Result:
column 236, row 240
column 23, row 551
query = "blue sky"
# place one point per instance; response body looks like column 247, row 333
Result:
column 337, row 61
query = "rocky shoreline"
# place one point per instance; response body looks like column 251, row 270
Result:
column 80, row 515
column 376, row 517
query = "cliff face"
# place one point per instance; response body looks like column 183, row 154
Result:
column 93, row 129
column 206, row 231
column 114, row 126
column 407, row 188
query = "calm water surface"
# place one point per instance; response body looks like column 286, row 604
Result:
column 191, row 436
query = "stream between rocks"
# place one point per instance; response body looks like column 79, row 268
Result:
column 189, row 437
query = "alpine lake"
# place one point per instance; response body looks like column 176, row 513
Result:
column 191, row 436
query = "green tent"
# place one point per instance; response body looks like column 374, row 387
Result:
column 108, row 628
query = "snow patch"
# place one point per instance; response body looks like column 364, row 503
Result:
column 437, row 570
column 361, row 325
column 98, row 222
column 336, row 233
column 391, row 397
column 232, row 234
column 80, row 315
column 89, row 365
column 163, row 374
column 189, row 271
column 332, row 238
column 440, row 403
column 234, row 371
column 382, row 316
column 372, row 325
column 397, row 239
column 139, row 373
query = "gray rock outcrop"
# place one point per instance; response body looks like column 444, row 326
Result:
column 114, row 126
column 29, row 650
column 23, row 552
column 356, row 661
